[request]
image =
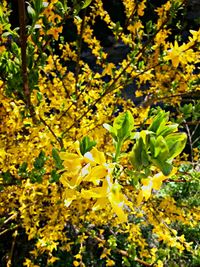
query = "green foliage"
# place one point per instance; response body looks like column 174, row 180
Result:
column 86, row 145
column 121, row 130
column 40, row 161
column 122, row 127
column 57, row 159
column 158, row 145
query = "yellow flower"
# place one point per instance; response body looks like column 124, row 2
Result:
column 2, row 49
column 2, row 154
column 52, row 260
column 55, row 32
column 76, row 263
column 109, row 192
column 141, row 8
column 180, row 54
column 95, row 156
column 150, row 183
column 110, row 262
column 91, row 167
column 29, row 263
column 138, row 93
column 159, row 263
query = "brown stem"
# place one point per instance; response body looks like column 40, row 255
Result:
column 77, row 69
column 9, row 263
column 59, row 140
column 61, row 79
column 195, row 129
column 129, row 19
column 13, row 216
column 175, row 181
column 23, row 43
column 190, row 141
column 79, row 43
column 8, row 230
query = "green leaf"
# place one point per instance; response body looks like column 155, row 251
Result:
column 168, row 129
column 54, row 176
column 145, row 158
column 152, row 145
column 111, row 130
column 86, row 4
column 7, row 177
column 58, row 161
column 39, row 97
column 22, row 171
column 123, row 125
column 159, row 121
column 38, row 4
column 23, row 167
column 187, row 110
column 86, row 145
column 176, row 143
column 7, row 27
column 149, row 26
column 35, row 176
column 164, row 166
column 31, row 11
column 161, row 148
column 40, row 161
column 136, row 155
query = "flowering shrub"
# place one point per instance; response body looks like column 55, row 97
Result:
column 75, row 193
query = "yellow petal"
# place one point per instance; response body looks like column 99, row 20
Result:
column 70, row 181
column 118, row 209
column 175, row 61
column 97, row 192
column 69, row 195
column 101, row 203
column 157, row 180
column 95, row 156
column 117, row 200
column 97, row 173
column 72, row 162
column 140, row 197
column 146, row 189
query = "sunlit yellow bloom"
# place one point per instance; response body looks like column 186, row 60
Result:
column 110, row 262
column 95, row 156
column 150, row 183
column 109, row 192
column 141, row 8
column 76, row 263
column 55, row 32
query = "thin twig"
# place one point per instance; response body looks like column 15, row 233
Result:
column 191, row 123
column 194, row 131
column 59, row 140
column 175, row 181
column 62, row 80
column 79, row 44
column 9, row 263
column 8, row 230
column 13, row 216
column 190, row 141
column 196, row 140
column 129, row 19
